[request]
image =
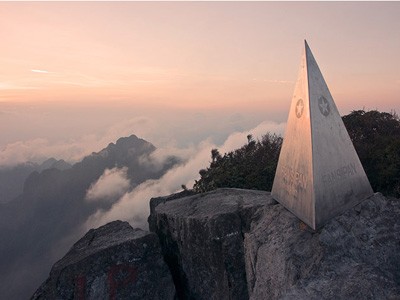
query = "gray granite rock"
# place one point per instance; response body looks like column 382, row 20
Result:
column 202, row 241
column 354, row 256
column 240, row 244
column 157, row 200
column 114, row 261
column 235, row 244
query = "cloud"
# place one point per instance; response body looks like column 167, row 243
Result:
column 274, row 81
column 72, row 150
column 134, row 205
column 113, row 183
column 279, row 81
column 38, row 150
column 158, row 158
column 40, row 71
column 14, row 86
column 238, row 139
column 65, row 132
column 111, row 192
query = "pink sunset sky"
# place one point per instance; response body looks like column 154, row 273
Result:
column 70, row 68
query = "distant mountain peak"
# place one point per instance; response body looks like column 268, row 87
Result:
column 53, row 163
column 132, row 141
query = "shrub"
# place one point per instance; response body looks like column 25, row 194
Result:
column 376, row 138
column 250, row 167
column 375, row 135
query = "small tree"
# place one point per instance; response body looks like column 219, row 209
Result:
column 251, row 166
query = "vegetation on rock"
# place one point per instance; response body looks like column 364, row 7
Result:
column 375, row 135
column 250, row 167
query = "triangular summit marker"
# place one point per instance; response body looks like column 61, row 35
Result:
column 319, row 174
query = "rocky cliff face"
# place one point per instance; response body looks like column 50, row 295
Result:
column 202, row 239
column 241, row 244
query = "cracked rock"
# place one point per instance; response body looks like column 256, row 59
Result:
column 202, row 241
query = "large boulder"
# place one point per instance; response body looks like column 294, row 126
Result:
column 354, row 256
column 114, row 261
column 202, row 240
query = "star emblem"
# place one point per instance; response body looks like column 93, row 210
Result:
column 299, row 108
column 324, row 106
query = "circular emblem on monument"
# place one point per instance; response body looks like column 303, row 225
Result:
column 323, row 105
column 299, row 108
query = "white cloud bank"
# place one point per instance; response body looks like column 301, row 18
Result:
column 72, row 150
column 113, row 183
column 134, row 205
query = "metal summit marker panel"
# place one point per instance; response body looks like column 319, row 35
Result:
column 319, row 174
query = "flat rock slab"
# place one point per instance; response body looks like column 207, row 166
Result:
column 114, row 261
column 202, row 240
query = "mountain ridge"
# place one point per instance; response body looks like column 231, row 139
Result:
column 37, row 226
column 12, row 178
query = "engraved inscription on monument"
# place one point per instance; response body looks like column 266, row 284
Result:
column 340, row 174
column 293, row 180
column 299, row 108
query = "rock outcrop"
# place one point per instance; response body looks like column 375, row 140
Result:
column 236, row 244
column 354, row 256
column 202, row 240
column 114, row 261
column 240, row 244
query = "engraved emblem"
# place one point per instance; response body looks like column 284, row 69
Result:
column 299, row 108
column 324, row 106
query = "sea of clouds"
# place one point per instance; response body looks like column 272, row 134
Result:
column 133, row 205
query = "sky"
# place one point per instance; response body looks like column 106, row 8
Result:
column 86, row 73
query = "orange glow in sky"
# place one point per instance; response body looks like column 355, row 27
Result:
column 75, row 76
column 198, row 54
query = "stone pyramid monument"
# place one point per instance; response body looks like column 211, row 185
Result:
column 319, row 174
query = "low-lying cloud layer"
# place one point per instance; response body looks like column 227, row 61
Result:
column 113, row 183
column 71, row 150
column 34, row 132
column 134, row 205
column 85, row 196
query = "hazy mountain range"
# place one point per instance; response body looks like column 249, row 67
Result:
column 12, row 179
column 40, row 225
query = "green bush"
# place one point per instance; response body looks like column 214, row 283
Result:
column 376, row 138
column 375, row 135
column 250, row 167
